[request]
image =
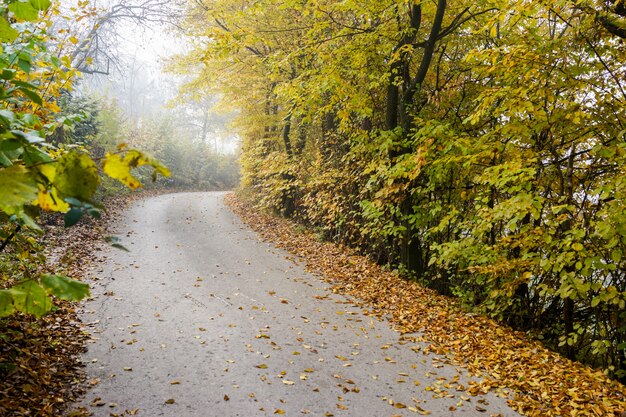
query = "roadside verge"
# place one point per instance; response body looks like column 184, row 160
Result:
column 540, row 382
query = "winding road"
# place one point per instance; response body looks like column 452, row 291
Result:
column 202, row 318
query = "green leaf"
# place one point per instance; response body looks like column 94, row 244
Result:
column 7, row 116
column 30, row 120
column 41, row 4
column 616, row 255
column 29, row 297
column 24, row 11
column 29, row 222
column 33, row 156
column 120, row 247
column 4, row 160
column 17, row 188
column 36, row 98
column 30, row 137
column 595, row 301
column 7, row 74
column 95, row 213
column 7, row 33
column 10, row 145
column 72, row 216
column 65, row 288
column 19, row 83
column 24, row 65
column 73, row 201
column 114, row 241
column 6, row 303
column 77, row 176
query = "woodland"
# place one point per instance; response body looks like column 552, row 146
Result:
column 475, row 147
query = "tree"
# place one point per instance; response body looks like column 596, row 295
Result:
column 90, row 34
column 35, row 175
column 477, row 146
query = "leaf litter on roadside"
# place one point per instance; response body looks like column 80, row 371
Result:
column 539, row 382
column 40, row 367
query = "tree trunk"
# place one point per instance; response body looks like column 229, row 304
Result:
column 400, row 112
column 286, row 138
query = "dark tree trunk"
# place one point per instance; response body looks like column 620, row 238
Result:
column 400, row 108
column 286, row 138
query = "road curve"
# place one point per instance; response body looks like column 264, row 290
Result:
column 202, row 318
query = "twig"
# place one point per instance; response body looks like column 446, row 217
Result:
column 10, row 238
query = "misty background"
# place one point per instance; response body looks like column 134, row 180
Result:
column 127, row 95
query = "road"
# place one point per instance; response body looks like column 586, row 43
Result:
column 202, row 318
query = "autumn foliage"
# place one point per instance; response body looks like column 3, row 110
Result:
column 536, row 381
column 478, row 146
column 36, row 175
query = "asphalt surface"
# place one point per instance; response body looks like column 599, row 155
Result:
column 202, row 318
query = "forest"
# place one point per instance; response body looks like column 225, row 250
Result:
column 477, row 147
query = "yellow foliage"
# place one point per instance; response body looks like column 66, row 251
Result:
column 119, row 168
column 116, row 167
column 49, row 200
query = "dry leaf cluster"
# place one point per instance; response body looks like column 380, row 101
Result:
column 40, row 367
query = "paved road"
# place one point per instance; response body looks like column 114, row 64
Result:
column 202, row 318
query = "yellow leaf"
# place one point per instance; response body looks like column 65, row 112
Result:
column 119, row 168
column 115, row 167
column 423, row 412
column 17, row 188
column 49, row 200
column 48, row 171
column 76, row 176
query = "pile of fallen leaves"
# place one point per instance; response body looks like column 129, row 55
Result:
column 39, row 358
column 40, row 367
column 541, row 382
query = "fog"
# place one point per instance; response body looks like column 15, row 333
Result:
column 125, row 62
